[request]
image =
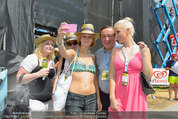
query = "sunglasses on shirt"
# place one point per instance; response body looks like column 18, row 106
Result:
column 71, row 43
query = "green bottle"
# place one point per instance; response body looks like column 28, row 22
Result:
column 44, row 63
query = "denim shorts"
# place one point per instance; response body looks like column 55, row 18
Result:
column 81, row 104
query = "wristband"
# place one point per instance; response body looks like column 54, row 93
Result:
column 59, row 44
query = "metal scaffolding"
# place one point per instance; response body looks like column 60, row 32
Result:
column 165, row 28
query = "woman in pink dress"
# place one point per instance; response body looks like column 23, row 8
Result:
column 127, row 63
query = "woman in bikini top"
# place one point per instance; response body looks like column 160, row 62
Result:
column 82, row 67
column 83, row 82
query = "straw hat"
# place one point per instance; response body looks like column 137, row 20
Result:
column 43, row 38
column 70, row 37
column 88, row 28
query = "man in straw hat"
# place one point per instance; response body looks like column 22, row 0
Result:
column 83, row 95
column 173, row 77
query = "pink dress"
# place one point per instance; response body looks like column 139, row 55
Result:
column 130, row 97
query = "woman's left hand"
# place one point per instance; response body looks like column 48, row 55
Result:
column 142, row 46
column 146, row 59
column 60, row 32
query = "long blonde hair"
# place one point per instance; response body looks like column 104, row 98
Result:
column 38, row 52
column 126, row 23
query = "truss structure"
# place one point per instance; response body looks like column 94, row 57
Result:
column 169, row 14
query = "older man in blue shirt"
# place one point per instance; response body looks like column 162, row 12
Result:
column 103, row 63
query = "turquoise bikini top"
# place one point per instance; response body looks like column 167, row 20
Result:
column 81, row 67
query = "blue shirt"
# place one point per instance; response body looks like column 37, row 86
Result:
column 100, row 66
column 169, row 64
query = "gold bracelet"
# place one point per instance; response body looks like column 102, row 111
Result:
column 59, row 44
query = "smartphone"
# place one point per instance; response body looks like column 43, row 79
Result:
column 72, row 27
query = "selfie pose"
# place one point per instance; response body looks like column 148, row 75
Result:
column 83, row 96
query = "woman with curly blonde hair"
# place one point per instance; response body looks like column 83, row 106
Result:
column 32, row 73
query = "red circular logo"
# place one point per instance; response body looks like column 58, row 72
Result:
column 160, row 74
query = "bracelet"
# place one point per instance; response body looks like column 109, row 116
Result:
column 59, row 44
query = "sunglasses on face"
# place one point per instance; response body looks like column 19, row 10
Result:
column 71, row 43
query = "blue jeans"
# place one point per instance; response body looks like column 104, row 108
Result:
column 81, row 104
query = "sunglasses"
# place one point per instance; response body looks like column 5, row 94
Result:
column 71, row 43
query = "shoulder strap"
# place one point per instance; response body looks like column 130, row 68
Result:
column 78, row 53
column 36, row 67
column 63, row 62
column 74, row 60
